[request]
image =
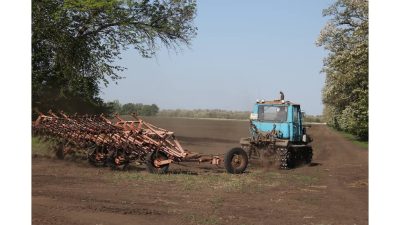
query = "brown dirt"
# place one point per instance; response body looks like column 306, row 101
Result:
column 333, row 190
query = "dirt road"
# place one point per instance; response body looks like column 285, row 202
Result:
column 333, row 190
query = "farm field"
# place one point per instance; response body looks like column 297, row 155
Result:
column 333, row 190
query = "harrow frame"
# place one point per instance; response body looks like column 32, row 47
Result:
column 117, row 143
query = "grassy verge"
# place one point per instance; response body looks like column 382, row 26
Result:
column 354, row 139
column 41, row 147
column 255, row 182
column 197, row 219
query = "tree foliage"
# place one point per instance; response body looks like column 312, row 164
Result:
column 345, row 93
column 129, row 108
column 75, row 44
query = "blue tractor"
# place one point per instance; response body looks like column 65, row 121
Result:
column 277, row 136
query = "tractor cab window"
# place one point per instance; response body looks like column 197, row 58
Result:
column 272, row 113
column 295, row 114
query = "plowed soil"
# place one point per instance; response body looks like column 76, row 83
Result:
column 332, row 190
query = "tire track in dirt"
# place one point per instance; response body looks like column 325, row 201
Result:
column 345, row 174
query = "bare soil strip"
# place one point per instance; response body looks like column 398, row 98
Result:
column 333, row 190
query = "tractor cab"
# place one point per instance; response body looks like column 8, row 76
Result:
column 276, row 135
column 282, row 118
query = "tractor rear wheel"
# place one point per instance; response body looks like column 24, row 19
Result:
column 151, row 165
column 236, row 161
column 285, row 158
column 308, row 155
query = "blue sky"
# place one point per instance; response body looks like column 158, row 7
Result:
column 244, row 50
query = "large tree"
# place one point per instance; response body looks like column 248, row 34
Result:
column 345, row 93
column 75, row 44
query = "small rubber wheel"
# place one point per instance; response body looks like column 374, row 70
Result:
column 153, row 156
column 118, row 161
column 236, row 161
column 97, row 156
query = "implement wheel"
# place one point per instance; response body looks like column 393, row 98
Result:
column 236, row 161
column 118, row 161
column 97, row 156
column 151, row 159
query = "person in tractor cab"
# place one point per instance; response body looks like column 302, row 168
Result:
column 282, row 96
column 281, row 114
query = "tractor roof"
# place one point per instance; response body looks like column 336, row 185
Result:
column 276, row 102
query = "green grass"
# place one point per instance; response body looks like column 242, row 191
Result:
column 305, row 180
column 354, row 139
column 48, row 148
column 41, row 147
column 196, row 219
column 255, row 182
column 187, row 182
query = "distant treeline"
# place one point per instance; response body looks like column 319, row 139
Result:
column 153, row 110
column 221, row 114
column 204, row 113
column 129, row 108
column 314, row 119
